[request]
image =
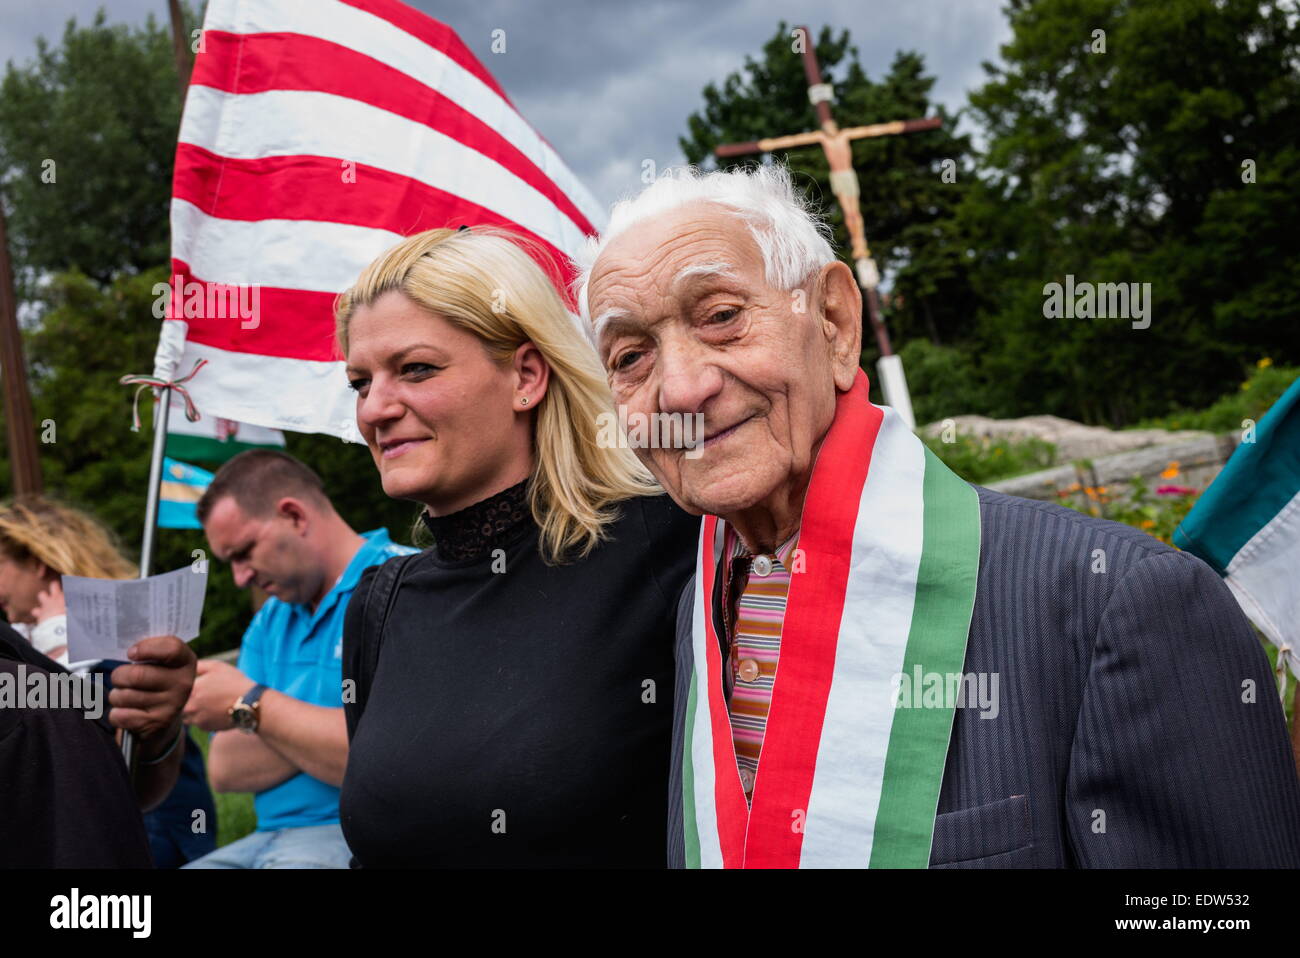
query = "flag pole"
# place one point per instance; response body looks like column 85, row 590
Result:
column 161, row 409
column 162, row 406
column 162, row 395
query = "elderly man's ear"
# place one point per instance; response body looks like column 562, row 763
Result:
column 840, row 304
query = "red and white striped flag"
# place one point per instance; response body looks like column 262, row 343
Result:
column 317, row 134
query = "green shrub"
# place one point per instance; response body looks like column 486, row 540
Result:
column 1155, row 512
column 983, row 459
column 1262, row 388
column 944, row 382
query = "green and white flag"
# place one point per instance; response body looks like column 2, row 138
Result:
column 213, row 439
column 1246, row 525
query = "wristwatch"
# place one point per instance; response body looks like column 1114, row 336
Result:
column 244, row 712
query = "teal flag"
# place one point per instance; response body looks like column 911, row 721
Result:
column 1246, row 525
column 182, row 486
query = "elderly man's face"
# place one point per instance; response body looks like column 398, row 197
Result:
column 687, row 323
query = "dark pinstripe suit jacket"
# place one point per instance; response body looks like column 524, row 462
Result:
column 1127, row 734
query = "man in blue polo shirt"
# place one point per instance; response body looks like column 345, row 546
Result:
column 278, row 716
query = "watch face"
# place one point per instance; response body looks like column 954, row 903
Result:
column 242, row 716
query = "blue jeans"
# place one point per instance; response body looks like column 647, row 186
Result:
column 313, row 846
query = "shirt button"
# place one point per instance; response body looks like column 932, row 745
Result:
column 762, row 566
column 748, row 670
column 747, row 780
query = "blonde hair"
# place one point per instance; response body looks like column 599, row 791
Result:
column 66, row 540
column 484, row 282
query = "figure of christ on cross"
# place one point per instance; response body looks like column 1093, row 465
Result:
column 837, row 144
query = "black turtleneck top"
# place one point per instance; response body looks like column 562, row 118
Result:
column 520, row 713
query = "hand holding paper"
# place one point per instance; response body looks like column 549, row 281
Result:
column 108, row 616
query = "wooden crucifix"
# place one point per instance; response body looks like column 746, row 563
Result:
column 836, row 143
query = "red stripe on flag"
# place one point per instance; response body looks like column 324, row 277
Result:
column 261, row 62
column 310, row 188
column 430, row 31
column 290, row 323
column 810, row 633
column 729, row 795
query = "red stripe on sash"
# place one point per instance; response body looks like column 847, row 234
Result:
column 810, row 634
column 729, row 795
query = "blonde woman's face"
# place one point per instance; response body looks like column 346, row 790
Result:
column 444, row 423
column 20, row 585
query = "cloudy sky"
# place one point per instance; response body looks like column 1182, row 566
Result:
column 611, row 82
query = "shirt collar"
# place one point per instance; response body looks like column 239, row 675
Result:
column 376, row 541
column 472, row 533
column 733, row 547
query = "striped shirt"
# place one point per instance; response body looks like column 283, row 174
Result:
column 757, row 587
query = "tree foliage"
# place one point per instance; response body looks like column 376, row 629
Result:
column 1134, row 141
column 1120, row 133
column 87, row 141
column 908, row 206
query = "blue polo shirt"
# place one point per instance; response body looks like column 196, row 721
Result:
column 290, row 648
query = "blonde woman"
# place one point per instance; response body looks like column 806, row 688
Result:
column 510, row 694
column 40, row 541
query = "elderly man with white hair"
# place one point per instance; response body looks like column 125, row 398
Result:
column 878, row 663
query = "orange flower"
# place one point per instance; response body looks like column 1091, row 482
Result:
column 1171, row 471
column 1148, row 523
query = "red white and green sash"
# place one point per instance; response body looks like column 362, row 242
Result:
column 885, row 584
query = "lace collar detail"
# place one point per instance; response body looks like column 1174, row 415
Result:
column 476, row 530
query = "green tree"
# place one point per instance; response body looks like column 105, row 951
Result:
column 1117, row 132
column 87, row 141
column 907, row 202
column 91, row 245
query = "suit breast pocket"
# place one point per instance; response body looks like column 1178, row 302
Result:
column 997, row 835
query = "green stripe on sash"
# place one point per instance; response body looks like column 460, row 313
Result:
column 936, row 643
column 690, row 830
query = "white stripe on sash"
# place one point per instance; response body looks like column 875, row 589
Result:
column 701, row 746
column 887, row 542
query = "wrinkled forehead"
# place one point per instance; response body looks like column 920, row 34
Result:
column 653, row 259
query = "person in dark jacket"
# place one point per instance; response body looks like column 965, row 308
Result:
column 510, row 693
column 68, row 800
column 879, row 665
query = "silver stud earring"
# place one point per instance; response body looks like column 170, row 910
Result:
column 523, row 401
